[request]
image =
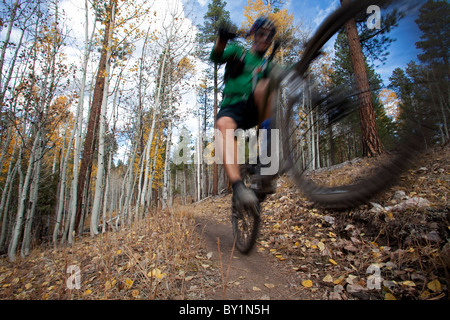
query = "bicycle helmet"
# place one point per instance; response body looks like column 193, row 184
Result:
column 262, row 22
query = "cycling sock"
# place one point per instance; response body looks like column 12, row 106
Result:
column 266, row 124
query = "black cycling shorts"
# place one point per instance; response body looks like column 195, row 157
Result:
column 244, row 113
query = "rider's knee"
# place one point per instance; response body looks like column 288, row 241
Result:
column 225, row 123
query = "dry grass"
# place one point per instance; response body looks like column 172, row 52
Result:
column 158, row 258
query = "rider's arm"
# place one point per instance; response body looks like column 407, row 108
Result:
column 219, row 47
column 217, row 53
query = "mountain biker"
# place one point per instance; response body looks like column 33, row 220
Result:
column 245, row 89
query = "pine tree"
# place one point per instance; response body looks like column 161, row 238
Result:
column 434, row 22
column 343, row 74
column 375, row 42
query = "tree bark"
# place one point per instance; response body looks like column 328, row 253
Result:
column 371, row 143
column 93, row 124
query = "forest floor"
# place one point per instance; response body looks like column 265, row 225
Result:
column 395, row 247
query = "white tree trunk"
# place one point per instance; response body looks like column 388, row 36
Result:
column 25, row 250
column 101, row 143
column 23, row 193
column 62, row 188
column 165, row 191
column 150, row 137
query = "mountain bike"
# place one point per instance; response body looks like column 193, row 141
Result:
column 320, row 127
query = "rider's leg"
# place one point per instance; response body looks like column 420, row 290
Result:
column 265, row 106
column 229, row 147
column 260, row 95
column 241, row 195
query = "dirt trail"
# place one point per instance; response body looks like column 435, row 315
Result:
column 256, row 276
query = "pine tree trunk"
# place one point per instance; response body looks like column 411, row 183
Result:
column 371, row 142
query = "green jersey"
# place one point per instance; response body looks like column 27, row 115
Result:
column 240, row 87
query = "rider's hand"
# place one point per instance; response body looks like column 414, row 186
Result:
column 227, row 32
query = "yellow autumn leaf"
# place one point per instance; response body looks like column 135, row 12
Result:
column 307, row 283
column 88, row 291
column 256, row 289
column 119, row 251
column 332, row 261
column 425, row 295
column 409, row 283
column 434, row 286
column 156, row 273
column 328, row 278
column 389, row 296
column 128, row 283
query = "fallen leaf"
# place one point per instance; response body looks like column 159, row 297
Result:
column 88, row 291
column 128, row 283
column 156, row 273
column 434, row 286
column 328, row 278
column 256, row 289
column 307, row 283
column 389, row 296
column 321, row 246
column 135, row 293
column 425, row 295
column 409, row 283
column 269, row 285
column 109, row 284
column 332, row 261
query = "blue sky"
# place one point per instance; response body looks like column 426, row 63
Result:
column 310, row 13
